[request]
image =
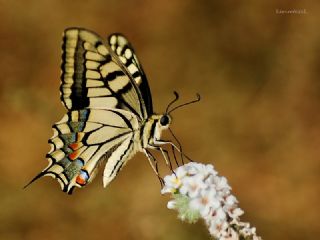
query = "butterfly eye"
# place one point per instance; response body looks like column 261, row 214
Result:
column 164, row 120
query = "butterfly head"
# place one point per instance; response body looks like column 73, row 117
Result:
column 157, row 124
column 165, row 120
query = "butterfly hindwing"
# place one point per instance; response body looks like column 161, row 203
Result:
column 94, row 77
column 86, row 138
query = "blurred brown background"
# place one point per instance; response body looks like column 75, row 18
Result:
column 258, row 122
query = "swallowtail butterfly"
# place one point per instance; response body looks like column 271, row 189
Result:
column 110, row 115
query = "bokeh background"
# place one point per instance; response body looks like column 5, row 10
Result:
column 258, row 123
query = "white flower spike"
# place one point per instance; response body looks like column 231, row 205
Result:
column 198, row 191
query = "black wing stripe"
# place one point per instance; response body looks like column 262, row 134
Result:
column 113, row 75
column 128, row 123
column 117, row 167
column 117, row 159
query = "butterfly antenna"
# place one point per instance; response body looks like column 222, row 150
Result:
column 173, row 101
column 187, row 103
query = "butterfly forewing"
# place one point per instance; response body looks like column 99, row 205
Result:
column 93, row 77
column 122, row 48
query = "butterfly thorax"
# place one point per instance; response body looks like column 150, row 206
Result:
column 152, row 128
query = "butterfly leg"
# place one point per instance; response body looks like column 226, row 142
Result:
column 180, row 147
column 154, row 165
column 165, row 155
column 164, row 142
column 174, row 156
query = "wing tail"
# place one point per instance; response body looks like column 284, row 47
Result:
column 41, row 174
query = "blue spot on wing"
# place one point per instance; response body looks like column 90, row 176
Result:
column 76, row 126
column 83, row 115
column 68, row 138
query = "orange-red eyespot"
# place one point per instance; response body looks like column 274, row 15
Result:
column 74, row 146
column 82, row 178
column 74, row 155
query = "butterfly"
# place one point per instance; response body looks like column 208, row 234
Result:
column 109, row 111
